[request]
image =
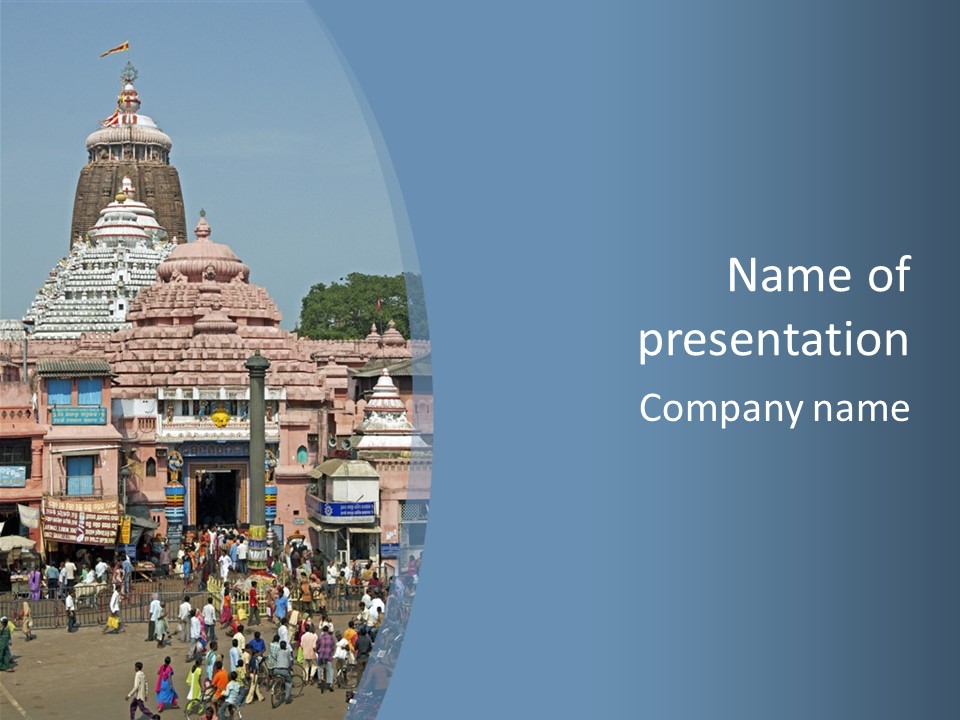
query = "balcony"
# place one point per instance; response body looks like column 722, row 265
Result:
column 80, row 486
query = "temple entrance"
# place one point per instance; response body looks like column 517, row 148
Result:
column 218, row 494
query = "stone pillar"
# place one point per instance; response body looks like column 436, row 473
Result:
column 257, row 555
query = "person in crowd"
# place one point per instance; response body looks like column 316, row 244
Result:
column 127, row 574
column 6, row 653
column 71, row 607
column 155, row 608
column 113, row 622
column 254, row 604
column 161, row 633
column 284, row 669
column 219, row 682
column 53, row 581
column 252, row 660
column 325, row 648
column 226, row 612
column 139, row 693
column 308, row 643
column 35, row 580
column 210, row 660
column 363, row 649
column 26, row 622
column 185, row 616
column 210, row 619
column 100, row 571
column 232, row 698
column 195, row 681
column 165, row 560
column 70, row 569
column 166, row 695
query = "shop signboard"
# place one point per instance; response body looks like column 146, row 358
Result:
column 347, row 513
column 91, row 522
column 13, row 476
column 78, row 415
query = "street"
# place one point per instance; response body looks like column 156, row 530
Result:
column 86, row 675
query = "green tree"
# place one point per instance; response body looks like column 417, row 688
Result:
column 345, row 310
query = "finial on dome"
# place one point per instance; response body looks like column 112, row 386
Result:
column 129, row 73
column 120, row 197
column 203, row 228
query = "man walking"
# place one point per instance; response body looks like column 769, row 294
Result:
column 209, row 613
column 71, row 611
column 139, row 694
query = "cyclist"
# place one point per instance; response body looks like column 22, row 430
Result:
column 283, row 668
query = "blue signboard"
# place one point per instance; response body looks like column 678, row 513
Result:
column 348, row 510
column 73, row 415
column 13, row 476
column 389, row 550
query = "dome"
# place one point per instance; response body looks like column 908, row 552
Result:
column 203, row 260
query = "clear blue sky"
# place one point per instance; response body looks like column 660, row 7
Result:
column 267, row 136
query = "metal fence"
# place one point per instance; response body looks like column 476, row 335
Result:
column 93, row 604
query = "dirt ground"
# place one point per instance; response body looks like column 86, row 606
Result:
column 86, row 675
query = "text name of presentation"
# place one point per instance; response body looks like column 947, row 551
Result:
column 837, row 341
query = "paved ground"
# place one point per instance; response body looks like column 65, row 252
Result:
column 86, row 675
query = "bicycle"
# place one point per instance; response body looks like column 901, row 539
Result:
column 278, row 691
column 196, row 707
column 348, row 676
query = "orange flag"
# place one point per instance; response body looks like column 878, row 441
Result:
column 119, row 48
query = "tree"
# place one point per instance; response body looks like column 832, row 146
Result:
column 345, row 310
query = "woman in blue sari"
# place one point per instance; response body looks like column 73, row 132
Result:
column 166, row 695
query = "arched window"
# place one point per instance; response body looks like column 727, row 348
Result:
column 151, row 467
column 301, row 455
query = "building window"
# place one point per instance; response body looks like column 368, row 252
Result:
column 80, row 475
column 413, row 523
column 16, row 452
column 151, row 467
column 301, row 455
column 58, row 392
column 88, row 391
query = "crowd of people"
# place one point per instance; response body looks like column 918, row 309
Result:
column 251, row 625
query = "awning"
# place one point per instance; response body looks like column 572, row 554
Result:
column 320, row 527
column 363, row 530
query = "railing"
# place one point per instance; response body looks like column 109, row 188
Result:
column 80, row 486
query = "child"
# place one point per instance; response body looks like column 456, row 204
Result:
column 232, row 698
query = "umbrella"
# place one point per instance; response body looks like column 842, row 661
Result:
column 12, row 542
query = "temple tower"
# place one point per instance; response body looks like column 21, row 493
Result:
column 129, row 144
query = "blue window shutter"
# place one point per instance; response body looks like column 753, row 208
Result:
column 89, row 391
column 58, row 392
column 80, row 475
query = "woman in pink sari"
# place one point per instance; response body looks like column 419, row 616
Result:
column 166, row 695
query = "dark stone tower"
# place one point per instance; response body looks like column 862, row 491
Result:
column 131, row 145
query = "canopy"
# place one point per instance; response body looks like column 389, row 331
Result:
column 12, row 542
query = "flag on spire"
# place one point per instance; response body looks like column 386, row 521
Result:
column 125, row 45
column 112, row 120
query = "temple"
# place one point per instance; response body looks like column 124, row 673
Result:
column 129, row 397
column 92, row 288
column 129, row 144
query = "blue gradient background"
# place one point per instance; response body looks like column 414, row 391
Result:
column 576, row 172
